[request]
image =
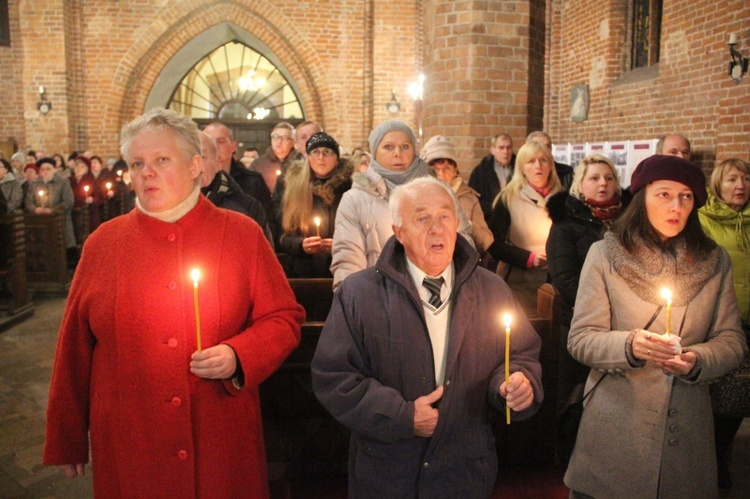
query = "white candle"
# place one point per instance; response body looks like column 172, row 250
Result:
column 317, row 225
column 733, row 39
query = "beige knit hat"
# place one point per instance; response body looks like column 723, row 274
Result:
column 438, row 147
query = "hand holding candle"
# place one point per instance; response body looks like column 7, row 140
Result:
column 41, row 197
column 507, row 320
column 196, row 275
column 317, row 225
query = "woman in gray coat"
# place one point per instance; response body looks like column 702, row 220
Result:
column 646, row 430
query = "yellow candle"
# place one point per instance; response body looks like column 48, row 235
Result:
column 195, row 274
column 41, row 198
column 507, row 320
column 667, row 295
column 317, row 225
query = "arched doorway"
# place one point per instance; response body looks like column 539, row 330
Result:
column 238, row 81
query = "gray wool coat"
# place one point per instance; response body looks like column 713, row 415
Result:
column 374, row 359
column 645, row 433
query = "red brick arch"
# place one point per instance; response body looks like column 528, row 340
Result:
column 141, row 65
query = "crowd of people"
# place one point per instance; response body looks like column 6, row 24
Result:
column 411, row 359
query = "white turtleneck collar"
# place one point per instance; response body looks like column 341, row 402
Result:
column 174, row 214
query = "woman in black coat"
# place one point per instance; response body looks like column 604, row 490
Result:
column 305, row 203
column 579, row 219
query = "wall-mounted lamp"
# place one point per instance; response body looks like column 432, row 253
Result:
column 393, row 106
column 44, row 106
column 738, row 64
column 416, row 91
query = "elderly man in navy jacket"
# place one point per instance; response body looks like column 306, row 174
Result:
column 411, row 358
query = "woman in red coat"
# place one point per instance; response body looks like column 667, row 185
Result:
column 166, row 418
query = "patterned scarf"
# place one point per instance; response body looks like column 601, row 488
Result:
column 604, row 211
column 647, row 270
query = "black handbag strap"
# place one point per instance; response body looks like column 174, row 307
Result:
column 648, row 324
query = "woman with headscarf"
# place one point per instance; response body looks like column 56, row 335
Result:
column 50, row 192
column 363, row 222
column 86, row 190
column 305, row 203
column 646, row 429
column 726, row 219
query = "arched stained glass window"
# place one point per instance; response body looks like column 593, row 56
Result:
column 234, row 82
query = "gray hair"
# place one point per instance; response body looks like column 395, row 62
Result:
column 411, row 190
column 213, row 150
column 163, row 120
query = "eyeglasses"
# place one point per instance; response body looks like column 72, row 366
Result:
column 277, row 138
column 324, row 151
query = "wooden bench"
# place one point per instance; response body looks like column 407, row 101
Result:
column 15, row 302
column 302, row 439
column 532, row 442
column 46, row 265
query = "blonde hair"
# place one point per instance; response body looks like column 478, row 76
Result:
column 583, row 167
column 297, row 202
column 721, row 169
column 526, row 153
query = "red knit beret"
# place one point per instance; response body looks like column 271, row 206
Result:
column 664, row 167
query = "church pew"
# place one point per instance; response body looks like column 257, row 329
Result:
column 46, row 269
column 15, row 302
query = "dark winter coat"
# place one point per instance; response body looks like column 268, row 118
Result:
column 299, row 263
column 252, row 183
column 574, row 230
column 374, row 358
column 225, row 192
column 484, row 180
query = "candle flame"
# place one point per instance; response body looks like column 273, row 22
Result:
column 196, row 275
column 119, row 173
column 86, row 188
column 507, row 320
column 41, row 193
column 278, row 172
column 666, row 294
column 317, row 221
column 109, row 185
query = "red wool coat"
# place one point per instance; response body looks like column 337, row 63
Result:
column 122, row 361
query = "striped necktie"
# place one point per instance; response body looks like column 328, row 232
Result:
column 433, row 285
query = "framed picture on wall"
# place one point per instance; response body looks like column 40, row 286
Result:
column 579, row 103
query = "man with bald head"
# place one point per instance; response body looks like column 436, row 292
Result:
column 674, row 144
column 302, row 134
column 250, row 182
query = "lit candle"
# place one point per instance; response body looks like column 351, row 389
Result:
column 317, row 225
column 86, row 190
column 196, row 275
column 109, row 185
column 507, row 320
column 278, row 173
column 41, row 197
column 119, row 173
column 667, row 295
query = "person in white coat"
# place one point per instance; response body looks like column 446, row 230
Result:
column 363, row 220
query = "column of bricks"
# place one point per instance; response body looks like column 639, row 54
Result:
column 477, row 63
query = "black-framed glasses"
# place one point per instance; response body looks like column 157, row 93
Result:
column 277, row 138
column 322, row 151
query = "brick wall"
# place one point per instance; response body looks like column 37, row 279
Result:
column 490, row 66
column 99, row 59
column 689, row 92
column 477, row 64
